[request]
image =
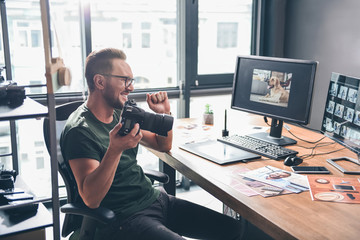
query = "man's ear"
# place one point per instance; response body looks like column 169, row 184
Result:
column 99, row 81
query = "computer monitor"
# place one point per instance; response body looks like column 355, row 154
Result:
column 341, row 119
column 278, row 88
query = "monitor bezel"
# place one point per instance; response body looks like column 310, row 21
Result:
column 313, row 64
column 333, row 136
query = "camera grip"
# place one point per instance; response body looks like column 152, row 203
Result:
column 127, row 126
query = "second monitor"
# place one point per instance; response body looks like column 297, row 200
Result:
column 278, row 88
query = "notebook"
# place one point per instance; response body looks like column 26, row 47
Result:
column 218, row 152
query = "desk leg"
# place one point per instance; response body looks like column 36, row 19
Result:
column 170, row 188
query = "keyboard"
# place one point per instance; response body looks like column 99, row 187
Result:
column 258, row 146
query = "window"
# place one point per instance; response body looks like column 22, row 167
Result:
column 26, row 41
column 127, row 42
column 38, row 143
column 145, row 27
column 145, row 40
column 227, row 35
column 4, row 150
column 126, row 35
column 149, row 33
column 36, row 38
column 217, row 104
column 126, row 26
column 224, row 33
column 5, row 147
column 150, row 45
column 40, row 163
column 142, row 81
column 34, row 158
column 23, row 38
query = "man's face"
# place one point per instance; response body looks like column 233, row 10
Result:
column 115, row 92
column 277, row 175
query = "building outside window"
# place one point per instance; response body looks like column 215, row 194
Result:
column 224, row 33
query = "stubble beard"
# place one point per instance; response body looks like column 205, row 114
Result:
column 112, row 101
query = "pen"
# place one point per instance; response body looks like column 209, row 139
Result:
column 225, row 132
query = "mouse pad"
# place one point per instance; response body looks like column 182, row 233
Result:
column 218, row 152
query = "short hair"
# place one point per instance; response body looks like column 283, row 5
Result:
column 101, row 62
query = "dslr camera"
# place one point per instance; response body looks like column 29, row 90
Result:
column 156, row 123
column 11, row 94
column 7, row 178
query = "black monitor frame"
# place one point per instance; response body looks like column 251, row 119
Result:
column 246, row 96
column 341, row 119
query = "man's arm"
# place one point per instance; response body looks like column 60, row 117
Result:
column 94, row 178
column 159, row 103
column 159, row 143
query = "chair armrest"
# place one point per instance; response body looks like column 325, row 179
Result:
column 101, row 214
column 156, row 175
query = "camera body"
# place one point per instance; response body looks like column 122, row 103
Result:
column 7, row 179
column 156, row 123
column 11, row 94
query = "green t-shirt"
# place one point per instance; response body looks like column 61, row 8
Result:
column 84, row 136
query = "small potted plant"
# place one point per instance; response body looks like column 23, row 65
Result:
column 208, row 117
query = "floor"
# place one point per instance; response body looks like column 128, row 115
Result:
column 194, row 194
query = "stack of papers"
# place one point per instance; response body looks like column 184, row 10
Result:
column 269, row 181
column 290, row 181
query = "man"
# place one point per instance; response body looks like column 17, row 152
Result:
column 105, row 168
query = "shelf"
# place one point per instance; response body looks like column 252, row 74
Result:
column 10, row 225
column 29, row 109
column 32, row 109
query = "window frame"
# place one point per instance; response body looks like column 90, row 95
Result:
column 197, row 84
column 190, row 82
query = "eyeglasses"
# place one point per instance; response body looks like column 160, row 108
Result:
column 128, row 80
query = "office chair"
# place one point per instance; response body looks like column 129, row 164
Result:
column 79, row 218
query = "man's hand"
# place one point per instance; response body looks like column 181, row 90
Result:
column 128, row 141
column 158, row 102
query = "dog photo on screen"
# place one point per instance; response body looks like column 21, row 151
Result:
column 271, row 87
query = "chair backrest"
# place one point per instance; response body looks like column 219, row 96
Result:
column 71, row 222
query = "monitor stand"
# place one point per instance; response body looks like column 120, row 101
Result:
column 343, row 170
column 274, row 136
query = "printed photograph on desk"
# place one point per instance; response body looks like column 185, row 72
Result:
column 251, row 187
column 334, row 189
column 289, row 181
column 261, row 188
column 233, row 180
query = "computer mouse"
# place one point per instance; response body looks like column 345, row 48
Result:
column 292, row 161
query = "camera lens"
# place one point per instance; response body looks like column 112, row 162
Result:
column 157, row 123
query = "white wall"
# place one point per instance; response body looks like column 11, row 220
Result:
column 327, row 31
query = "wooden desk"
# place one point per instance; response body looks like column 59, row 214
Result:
column 293, row 216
